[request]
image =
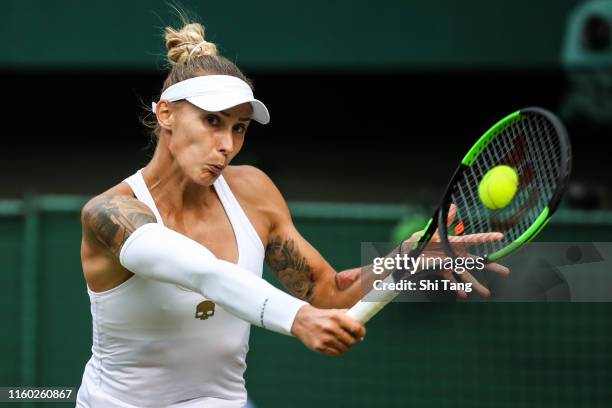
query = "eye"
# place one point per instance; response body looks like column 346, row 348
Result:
column 213, row 120
column 240, row 128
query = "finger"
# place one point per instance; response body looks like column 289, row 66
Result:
column 336, row 345
column 461, row 248
column 476, row 238
column 493, row 267
column 347, row 338
column 452, row 214
column 447, row 274
column 354, row 327
column 476, row 285
column 328, row 351
column 497, row 268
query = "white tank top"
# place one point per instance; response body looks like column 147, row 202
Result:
column 159, row 345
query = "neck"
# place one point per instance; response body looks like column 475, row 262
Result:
column 170, row 186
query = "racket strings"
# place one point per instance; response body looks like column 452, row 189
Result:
column 530, row 145
column 546, row 156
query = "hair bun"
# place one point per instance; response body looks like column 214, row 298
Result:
column 187, row 42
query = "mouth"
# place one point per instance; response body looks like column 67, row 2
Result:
column 216, row 168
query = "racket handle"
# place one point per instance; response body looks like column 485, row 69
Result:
column 364, row 311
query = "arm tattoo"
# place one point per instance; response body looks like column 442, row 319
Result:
column 290, row 267
column 345, row 279
column 110, row 220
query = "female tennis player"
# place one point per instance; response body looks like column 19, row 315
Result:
column 173, row 255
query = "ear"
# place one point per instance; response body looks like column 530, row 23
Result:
column 164, row 113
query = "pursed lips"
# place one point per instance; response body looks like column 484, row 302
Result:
column 216, row 168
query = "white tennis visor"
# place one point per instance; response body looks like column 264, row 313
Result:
column 215, row 93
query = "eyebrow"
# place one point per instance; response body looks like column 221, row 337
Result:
column 241, row 119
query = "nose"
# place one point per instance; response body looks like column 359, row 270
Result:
column 225, row 142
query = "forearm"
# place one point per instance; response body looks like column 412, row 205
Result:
column 347, row 287
column 159, row 253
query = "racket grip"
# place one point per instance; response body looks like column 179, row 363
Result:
column 364, row 311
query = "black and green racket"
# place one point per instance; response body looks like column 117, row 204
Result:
column 511, row 181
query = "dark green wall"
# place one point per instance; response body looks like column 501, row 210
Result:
column 415, row 354
column 278, row 34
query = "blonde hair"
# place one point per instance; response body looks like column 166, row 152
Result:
column 190, row 55
column 186, row 43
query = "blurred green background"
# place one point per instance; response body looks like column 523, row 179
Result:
column 77, row 73
column 278, row 34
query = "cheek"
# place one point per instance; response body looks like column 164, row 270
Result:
column 238, row 143
column 190, row 144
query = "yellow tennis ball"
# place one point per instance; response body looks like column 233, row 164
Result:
column 498, row 187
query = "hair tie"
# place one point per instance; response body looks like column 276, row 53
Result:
column 196, row 47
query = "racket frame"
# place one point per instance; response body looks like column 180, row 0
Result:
column 544, row 217
column 365, row 310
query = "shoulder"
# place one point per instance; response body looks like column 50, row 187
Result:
column 251, row 183
column 117, row 194
column 110, row 217
column 247, row 176
column 254, row 188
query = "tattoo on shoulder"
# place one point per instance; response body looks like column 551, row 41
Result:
column 110, row 220
column 291, row 268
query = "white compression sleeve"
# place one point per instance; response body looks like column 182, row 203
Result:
column 159, row 253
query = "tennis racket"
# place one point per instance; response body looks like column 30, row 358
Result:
column 535, row 143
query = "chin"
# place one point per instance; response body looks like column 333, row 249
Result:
column 206, row 178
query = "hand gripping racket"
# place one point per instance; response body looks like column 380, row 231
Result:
column 536, row 145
